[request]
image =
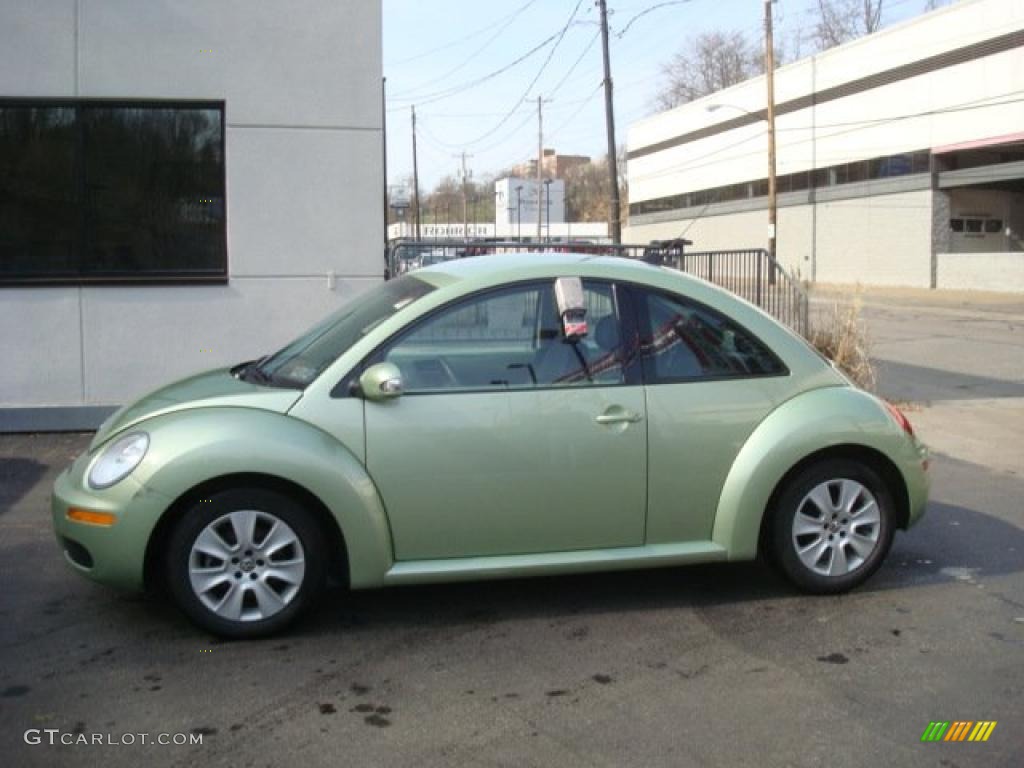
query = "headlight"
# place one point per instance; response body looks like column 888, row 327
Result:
column 118, row 460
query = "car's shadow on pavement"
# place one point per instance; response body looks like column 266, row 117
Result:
column 18, row 476
column 950, row 545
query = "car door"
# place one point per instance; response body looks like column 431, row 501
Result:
column 508, row 439
column 709, row 382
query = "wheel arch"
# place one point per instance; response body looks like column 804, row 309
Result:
column 829, row 421
column 878, row 461
column 337, row 564
column 208, row 449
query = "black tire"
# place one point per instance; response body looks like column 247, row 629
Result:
column 784, row 541
column 270, row 505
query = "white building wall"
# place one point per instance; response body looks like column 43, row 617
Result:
column 981, row 271
column 873, row 237
column 949, row 105
column 880, row 240
column 305, row 225
column 510, row 208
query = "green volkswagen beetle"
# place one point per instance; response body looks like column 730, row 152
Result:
column 494, row 417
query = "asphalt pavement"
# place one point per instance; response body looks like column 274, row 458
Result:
column 710, row 665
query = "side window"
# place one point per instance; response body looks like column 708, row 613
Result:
column 684, row 341
column 509, row 339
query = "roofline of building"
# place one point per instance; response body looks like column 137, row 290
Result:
column 970, row 52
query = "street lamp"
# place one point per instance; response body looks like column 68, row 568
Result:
column 772, row 197
column 547, row 204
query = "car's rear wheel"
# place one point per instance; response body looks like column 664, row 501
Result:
column 245, row 562
column 833, row 526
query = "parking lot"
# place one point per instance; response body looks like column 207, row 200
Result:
column 711, row 665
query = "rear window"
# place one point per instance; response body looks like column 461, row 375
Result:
column 683, row 341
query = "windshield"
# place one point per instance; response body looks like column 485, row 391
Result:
column 308, row 356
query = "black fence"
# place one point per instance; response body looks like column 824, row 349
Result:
column 751, row 274
column 758, row 278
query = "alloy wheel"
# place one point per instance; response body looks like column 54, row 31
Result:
column 246, row 565
column 836, row 527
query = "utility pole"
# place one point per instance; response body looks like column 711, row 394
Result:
column 614, row 222
column 415, row 175
column 465, row 174
column 384, row 155
column 540, row 158
column 547, row 198
column 769, row 68
column 519, row 213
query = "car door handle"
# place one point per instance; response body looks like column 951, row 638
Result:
column 618, row 416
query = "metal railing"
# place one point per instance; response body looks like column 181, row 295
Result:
column 750, row 274
column 755, row 276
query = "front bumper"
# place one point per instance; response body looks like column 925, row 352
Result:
column 918, row 480
column 113, row 555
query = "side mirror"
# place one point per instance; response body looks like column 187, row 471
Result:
column 381, row 382
column 572, row 309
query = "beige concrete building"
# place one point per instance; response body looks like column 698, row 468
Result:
column 553, row 165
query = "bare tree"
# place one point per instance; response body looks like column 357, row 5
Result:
column 840, row 21
column 708, row 63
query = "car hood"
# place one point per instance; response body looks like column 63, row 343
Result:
column 211, row 388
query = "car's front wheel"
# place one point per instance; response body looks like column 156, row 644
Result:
column 244, row 563
column 833, row 526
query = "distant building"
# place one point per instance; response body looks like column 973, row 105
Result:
column 516, row 203
column 900, row 158
column 553, row 165
column 518, row 200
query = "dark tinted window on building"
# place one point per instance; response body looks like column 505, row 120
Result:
column 99, row 190
column 845, row 173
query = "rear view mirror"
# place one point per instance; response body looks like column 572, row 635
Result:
column 572, row 311
column 382, row 381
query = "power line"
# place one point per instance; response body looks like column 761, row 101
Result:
column 453, row 115
column 449, row 92
column 509, row 136
column 582, row 102
column 571, row 117
column 576, row 63
column 533, row 82
column 472, row 56
column 646, row 11
column 470, row 36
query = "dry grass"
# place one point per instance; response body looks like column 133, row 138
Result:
column 842, row 337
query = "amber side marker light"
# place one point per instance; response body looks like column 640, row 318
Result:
column 105, row 519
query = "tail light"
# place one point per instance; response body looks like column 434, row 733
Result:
column 900, row 418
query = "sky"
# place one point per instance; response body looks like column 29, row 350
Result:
column 434, row 49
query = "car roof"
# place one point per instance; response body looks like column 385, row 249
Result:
column 503, row 267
